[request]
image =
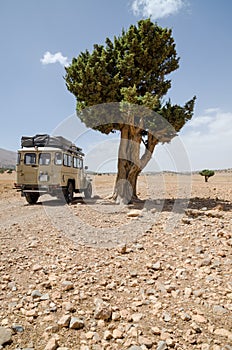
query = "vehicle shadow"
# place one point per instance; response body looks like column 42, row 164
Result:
column 54, row 202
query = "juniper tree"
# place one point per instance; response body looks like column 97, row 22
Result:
column 207, row 173
column 131, row 72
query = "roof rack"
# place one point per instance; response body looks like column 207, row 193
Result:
column 45, row 140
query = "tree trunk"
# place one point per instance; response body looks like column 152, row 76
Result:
column 206, row 178
column 129, row 163
column 125, row 190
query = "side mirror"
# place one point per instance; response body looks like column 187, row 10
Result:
column 86, row 167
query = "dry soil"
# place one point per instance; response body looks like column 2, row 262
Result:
column 94, row 275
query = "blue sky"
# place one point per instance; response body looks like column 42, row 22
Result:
column 39, row 37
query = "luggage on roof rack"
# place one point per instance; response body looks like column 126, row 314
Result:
column 37, row 140
column 45, row 140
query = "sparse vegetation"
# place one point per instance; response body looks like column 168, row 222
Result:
column 207, row 174
column 7, row 170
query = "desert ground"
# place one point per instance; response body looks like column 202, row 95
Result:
column 94, row 275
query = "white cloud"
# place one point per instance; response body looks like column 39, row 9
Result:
column 199, row 121
column 156, row 8
column 212, row 110
column 49, row 58
column 208, row 140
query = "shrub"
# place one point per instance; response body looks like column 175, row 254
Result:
column 207, row 173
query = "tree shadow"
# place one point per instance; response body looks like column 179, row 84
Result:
column 210, row 203
column 179, row 205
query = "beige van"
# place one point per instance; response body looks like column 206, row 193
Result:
column 53, row 165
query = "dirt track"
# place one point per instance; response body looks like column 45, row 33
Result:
column 157, row 286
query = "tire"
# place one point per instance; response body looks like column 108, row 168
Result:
column 88, row 191
column 69, row 192
column 31, row 197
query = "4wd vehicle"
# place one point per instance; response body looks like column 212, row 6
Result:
column 50, row 164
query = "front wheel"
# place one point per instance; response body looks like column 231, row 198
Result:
column 88, row 191
column 31, row 197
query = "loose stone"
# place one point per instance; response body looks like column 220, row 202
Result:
column 76, row 323
column 64, row 321
column 5, row 335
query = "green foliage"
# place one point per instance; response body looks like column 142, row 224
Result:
column 131, row 69
column 8, row 170
column 207, row 172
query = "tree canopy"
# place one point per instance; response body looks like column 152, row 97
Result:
column 132, row 68
column 207, row 173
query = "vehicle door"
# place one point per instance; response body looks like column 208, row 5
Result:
column 28, row 168
column 45, row 170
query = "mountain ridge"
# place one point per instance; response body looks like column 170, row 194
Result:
column 7, row 158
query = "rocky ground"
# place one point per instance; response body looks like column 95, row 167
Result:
column 93, row 276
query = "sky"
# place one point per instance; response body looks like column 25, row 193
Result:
column 38, row 38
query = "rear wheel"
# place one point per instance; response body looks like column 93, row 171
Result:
column 31, row 197
column 88, row 191
column 69, row 191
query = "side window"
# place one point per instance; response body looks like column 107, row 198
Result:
column 77, row 163
column 67, row 160
column 18, row 158
column 44, row 158
column 29, row 158
column 58, row 158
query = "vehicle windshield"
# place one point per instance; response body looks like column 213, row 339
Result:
column 44, row 158
column 30, row 158
column 58, row 158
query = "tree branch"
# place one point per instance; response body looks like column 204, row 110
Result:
column 150, row 146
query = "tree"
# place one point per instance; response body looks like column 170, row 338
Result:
column 130, row 72
column 207, row 173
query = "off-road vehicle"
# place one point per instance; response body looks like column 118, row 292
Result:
column 53, row 165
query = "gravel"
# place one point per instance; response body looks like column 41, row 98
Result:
column 161, row 289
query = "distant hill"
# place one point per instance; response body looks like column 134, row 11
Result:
column 7, row 158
